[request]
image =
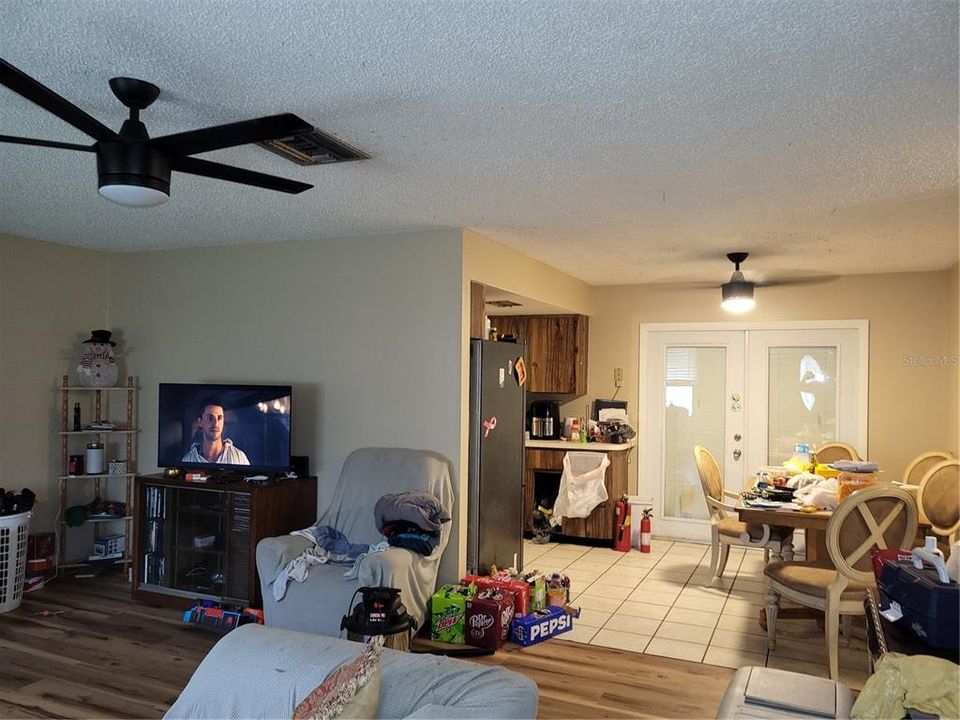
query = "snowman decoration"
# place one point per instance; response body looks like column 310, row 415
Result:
column 98, row 368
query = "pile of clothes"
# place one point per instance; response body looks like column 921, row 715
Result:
column 11, row 504
column 411, row 520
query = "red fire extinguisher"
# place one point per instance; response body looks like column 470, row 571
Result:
column 645, row 530
column 622, row 540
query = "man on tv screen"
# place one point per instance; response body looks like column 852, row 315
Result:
column 212, row 447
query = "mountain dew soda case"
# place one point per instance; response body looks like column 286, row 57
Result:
column 538, row 593
column 541, row 625
column 448, row 609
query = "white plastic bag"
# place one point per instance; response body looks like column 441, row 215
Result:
column 582, row 485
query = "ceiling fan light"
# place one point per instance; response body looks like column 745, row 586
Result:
column 737, row 297
column 134, row 195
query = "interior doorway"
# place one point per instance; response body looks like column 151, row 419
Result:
column 747, row 392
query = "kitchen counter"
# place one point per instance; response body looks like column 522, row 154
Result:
column 579, row 447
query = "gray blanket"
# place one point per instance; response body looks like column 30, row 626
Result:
column 420, row 508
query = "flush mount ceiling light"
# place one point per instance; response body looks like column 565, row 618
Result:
column 738, row 293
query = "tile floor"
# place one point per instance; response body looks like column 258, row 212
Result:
column 658, row 603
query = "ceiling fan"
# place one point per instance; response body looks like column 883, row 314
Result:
column 134, row 169
column 737, row 293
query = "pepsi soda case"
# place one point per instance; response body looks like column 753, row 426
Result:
column 541, row 625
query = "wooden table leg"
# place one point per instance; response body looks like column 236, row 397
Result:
column 816, row 545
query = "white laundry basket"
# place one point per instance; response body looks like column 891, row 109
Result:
column 13, row 559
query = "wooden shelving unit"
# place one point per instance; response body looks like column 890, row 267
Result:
column 103, row 405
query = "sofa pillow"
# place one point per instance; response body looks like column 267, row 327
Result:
column 351, row 691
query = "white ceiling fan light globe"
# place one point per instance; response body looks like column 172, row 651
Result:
column 738, row 306
column 737, row 295
column 133, row 195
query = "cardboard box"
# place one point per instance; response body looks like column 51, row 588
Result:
column 488, row 620
column 541, row 625
column 448, row 609
column 520, row 590
column 538, row 594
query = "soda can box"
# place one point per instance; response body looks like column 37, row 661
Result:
column 448, row 609
column 538, row 594
column 541, row 625
column 520, row 590
column 489, row 614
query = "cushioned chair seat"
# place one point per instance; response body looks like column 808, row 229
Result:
column 811, row 579
column 260, row 672
column 731, row 527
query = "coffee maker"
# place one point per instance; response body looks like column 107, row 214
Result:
column 545, row 420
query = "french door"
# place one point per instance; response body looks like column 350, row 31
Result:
column 747, row 393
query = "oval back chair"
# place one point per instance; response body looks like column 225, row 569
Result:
column 939, row 498
column 727, row 530
column 922, row 463
column 833, row 451
column 882, row 516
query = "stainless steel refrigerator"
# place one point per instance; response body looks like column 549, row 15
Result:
column 495, row 492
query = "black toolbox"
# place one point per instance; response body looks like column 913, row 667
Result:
column 930, row 608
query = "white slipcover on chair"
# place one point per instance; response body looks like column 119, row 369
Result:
column 318, row 604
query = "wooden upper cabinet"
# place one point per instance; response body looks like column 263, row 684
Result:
column 556, row 350
column 516, row 325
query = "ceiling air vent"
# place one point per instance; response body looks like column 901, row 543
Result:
column 314, row 148
column 503, row 303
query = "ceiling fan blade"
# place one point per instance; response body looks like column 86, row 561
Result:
column 684, row 286
column 205, row 168
column 35, row 92
column 218, row 137
column 819, row 279
column 45, row 143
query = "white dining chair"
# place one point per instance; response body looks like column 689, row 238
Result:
column 833, row 451
column 939, row 499
column 918, row 467
column 882, row 516
column 726, row 529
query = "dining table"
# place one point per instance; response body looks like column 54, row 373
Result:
column 814, row 524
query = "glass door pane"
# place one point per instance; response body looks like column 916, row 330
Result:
column 693, row 395
column 693, row 414
column 805, row 385
column 801, row 399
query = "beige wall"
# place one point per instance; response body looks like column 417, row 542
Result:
column 490, row 263
column 51, row 296
column 953, row 349
column 365, row 328
column 911, row 408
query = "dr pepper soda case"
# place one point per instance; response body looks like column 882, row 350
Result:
column 489, row 614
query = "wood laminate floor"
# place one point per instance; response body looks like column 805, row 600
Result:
column 107, row 657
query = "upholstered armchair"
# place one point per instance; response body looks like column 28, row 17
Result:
column 317, row 604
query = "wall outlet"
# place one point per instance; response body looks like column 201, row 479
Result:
column 618, row 377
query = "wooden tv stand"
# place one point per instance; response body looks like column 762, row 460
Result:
column 199, row 540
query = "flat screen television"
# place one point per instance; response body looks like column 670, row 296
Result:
column 231, row 427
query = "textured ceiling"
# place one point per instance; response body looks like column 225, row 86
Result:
column 618, row 141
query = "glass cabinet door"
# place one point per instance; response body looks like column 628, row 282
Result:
column 196, row 542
